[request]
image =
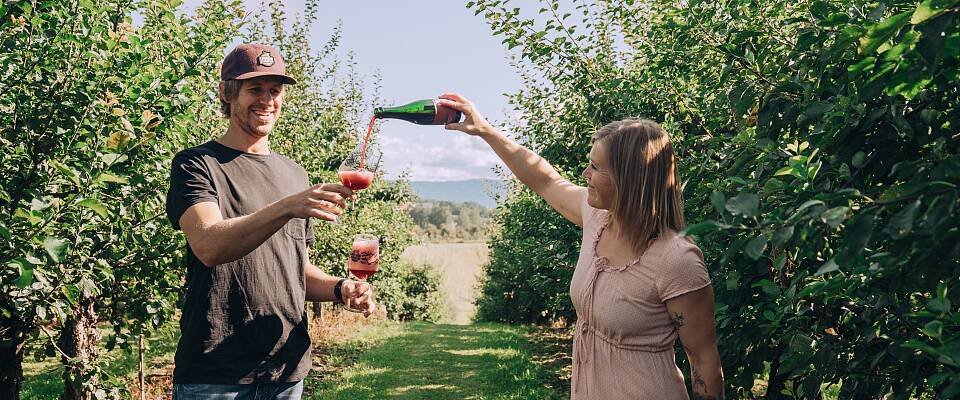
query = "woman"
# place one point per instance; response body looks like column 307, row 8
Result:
column 637, row 285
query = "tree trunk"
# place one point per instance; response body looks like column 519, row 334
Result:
column 141, row 367
column 11, row 367
column 78, row 340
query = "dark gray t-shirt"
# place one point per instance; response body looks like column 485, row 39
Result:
column 243, row 321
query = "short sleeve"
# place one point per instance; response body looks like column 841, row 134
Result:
column 685, row 272
column 190, row 183
column 311, row 239
column 591, row 216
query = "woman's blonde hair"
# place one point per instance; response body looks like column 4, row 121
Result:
column 648, row 198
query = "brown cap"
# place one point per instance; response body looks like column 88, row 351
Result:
column 252, row 60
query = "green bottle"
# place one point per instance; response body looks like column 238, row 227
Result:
column 422, row 112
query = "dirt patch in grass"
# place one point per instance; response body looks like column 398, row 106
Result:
column 551, row 349
column 158, row 383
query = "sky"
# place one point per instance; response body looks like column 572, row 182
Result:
column 462, row 56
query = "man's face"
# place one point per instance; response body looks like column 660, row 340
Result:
column 257, row 106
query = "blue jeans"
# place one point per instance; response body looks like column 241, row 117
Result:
column 256, row 391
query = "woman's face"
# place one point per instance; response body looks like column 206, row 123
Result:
column 600, row 190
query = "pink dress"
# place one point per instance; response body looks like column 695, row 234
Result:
column 623, row 345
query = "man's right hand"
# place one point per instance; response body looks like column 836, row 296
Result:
column 325, row 201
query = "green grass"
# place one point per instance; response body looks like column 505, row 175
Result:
column 420, row 360
column 44, row 379
column 386, row 360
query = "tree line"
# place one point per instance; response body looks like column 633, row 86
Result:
column 450, row 221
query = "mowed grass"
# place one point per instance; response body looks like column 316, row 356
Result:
column 44, row 379
column 426, row 361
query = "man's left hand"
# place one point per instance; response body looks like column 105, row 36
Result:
column 358, row 296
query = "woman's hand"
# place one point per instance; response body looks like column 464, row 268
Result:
column 473, row 123
column 358, row 296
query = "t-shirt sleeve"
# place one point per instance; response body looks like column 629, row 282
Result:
column 311, row 239
column 589, row 215
column 190, row 183
column 685, row 272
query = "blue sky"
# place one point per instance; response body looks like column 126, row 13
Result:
column 463, row 56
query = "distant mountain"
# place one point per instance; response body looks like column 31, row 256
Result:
column 480, row 191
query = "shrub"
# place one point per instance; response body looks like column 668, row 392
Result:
column 818, row 143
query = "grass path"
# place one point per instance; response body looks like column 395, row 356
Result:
column 426, row 361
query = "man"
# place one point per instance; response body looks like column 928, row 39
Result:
column 246, row 213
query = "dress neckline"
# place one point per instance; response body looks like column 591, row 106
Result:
column 602, row 262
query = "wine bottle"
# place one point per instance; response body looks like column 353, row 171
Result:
column 421, row 112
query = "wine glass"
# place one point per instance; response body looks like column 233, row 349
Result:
column 359, row 168
column 364, row 260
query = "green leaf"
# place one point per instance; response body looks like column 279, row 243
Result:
column 733, row 280
column 835, row 216
column 755, row 247
column 827, row 267
column 864, row 65
column 933, row 329
column 816, row 205
column 939, row 305
column 70, row 293
column 902, row 222
column 701, row 228
column 882, row 31
column 67, row 171
column 817, row 108
column 903, row 190
column 782, row 235
column 773, row 185
column 4, row 232
column 96, row 206
column 811, row 386
column 56, row 248
column 26, row 271
column 788, row 170
column 857, row 236
column 858, row 159
column 929, row 9
column 769, row 315
column 942, row 290
column 741, row 98
column 745, row 204
column 767, row 287
column 718, row 200
column 108, row 177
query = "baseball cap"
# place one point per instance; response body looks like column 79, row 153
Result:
column 251, row 60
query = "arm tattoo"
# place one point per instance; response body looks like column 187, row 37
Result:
column 677, row 321
column 700, row 387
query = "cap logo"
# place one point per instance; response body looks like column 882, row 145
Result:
column 265, row 59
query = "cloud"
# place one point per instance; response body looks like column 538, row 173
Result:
column 437, row 156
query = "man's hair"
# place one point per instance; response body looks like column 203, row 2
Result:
column 231, row 89
column 648, row 198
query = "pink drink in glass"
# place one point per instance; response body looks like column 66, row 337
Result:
column 356, row 180
column 364, row 256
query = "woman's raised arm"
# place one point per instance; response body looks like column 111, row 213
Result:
column 533, row 170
